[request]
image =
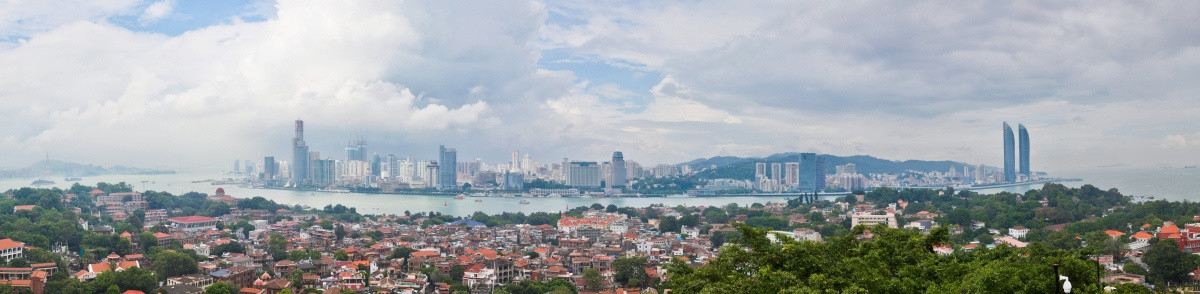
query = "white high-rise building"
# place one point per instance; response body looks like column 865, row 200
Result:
column 583, row 174
column 791, row 174
column 515, row 164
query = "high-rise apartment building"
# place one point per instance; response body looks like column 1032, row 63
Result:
column 447, row 163
column 516, row 160
column 1010, row 156
column 584, row 174
column 760, row 171
column 812, row 172
column 619, row 172
column 791, row 174
column 776, row 172
column 299, row 164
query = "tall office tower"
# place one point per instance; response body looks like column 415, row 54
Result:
column 563, row 170
column 527, row 164
column 392, row 166
column 376, row 165
column 1010, row 170
column 447, row 162
column 776, row 172
column 270, row 168
column 760, row 171
column 585, row 174
column 979, row 173
column 791, row 174
column 237, row 165
column 431, row 174
column 619, row 172
column 812, row 172
column 299, row 164
column 357, row 150
column 323, row 172
column 1024, row 135
column 516, row 160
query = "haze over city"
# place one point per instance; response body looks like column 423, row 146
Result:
column 190, row 86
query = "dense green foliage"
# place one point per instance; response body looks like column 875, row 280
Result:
column 893, row 261
column 555, row 286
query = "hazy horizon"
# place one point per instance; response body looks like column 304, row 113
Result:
column 192, row 85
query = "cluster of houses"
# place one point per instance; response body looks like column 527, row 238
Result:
column 487, row 257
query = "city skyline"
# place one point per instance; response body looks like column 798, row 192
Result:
column 580, row 80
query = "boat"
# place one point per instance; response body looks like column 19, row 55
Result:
column 478, row 200
column 72, row 179
column 459, row 197
column 1190, row 166
column 524, row 201
column 43, row 182
column 444, row 203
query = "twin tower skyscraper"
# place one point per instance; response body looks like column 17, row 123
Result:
column 1010, row 156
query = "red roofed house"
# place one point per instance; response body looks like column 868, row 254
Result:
column 1114, row 233
column 1187, row 238
column 23, row 207
column 10, row 249
column 193, row 224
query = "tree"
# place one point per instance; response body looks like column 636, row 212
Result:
column 402, row 252
column 147, row 240
column 611, row 208
column 1169, row 264
column 591, row 278
column 457, row 272
column 277, row 246
column 1134, row 268
column 113, row 289
column 668, row 224
column 341, row 255
column 170, row 264
column 630, row 271
column 221, row 288
column 18, row 262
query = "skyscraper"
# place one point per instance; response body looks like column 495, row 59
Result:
column 791, row 174
column 270, row 168
column 1024, row 135
column 776, row 172
column 812, row 172
column 760, row 171
column 516, row 160
column 618, row 170
column 1010, row 170
column 585, row 174
column 299, row 167
column 447, row 162
column 357, row 150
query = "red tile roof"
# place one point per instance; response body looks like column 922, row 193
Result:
column 192, row 219
column 9, row 244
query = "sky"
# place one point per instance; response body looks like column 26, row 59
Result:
column 193, row 85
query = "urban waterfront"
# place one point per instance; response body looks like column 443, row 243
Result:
column 1177, row 184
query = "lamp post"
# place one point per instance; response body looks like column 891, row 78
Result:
column 1057, row 287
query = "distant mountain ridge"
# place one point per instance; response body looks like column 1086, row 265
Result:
column 70, row 169
column 743, row 167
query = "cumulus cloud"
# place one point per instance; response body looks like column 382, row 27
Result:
column 157, row 11
column 1094, row 82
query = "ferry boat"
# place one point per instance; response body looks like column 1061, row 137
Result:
column 524, row 201
column 459, row 197
column 43, row 182
column 72, row 179
column 478, row 200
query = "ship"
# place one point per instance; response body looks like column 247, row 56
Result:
column 459, row 197
column 478, row 200
column 72, row 179
column 524, row 201
column 43, row 182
